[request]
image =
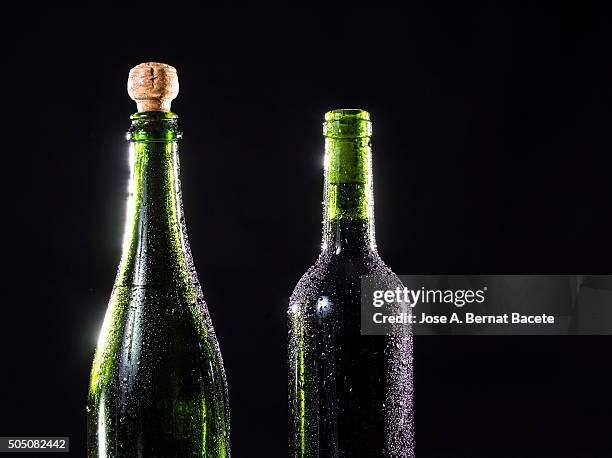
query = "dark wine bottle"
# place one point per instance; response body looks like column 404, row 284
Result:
column 158, row 386
column 349, row 394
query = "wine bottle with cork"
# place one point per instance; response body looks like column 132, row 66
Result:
column 158, row 385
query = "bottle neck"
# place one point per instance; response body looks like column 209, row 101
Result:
column 348, row 218
column 154, row 245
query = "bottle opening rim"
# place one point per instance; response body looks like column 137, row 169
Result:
column 347, row 123
column 347, row 113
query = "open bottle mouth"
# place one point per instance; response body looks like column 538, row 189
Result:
column 347, row 123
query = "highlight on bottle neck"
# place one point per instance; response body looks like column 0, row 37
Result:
column 348, row 195
column 348, row 171
column 347, row 146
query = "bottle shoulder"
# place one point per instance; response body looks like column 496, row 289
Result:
column 333, row 272
column 148, row 332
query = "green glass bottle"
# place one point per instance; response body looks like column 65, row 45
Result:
column 158, row 386
column 349, row 394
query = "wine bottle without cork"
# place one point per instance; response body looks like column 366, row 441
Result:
column 158, row 386
column 349, row 394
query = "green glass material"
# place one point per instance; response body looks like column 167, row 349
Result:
column 348, row 187
column 158, row 386
column 349, row 395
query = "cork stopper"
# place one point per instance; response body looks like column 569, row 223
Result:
column 153, row 86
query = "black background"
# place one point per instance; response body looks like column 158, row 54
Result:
column 491, row 154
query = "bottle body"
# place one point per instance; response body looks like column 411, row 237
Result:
column 349, row 394
column 159, row 390
column 158, row 385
